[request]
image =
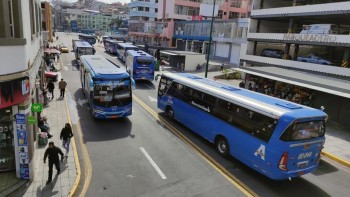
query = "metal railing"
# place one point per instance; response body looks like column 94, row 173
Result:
column 292, row 3
column 336, row 31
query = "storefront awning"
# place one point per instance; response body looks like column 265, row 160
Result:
column 340, row 87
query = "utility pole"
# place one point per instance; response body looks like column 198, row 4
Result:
column 210, row 38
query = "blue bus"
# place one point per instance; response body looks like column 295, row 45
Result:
column 140, row 64
column 111, row 46
column 107, row 87
column 88, row 38
column 82, row 48
column 275, row 137
column 122, row 48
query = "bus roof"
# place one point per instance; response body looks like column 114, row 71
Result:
column 126, row 45
column 87, row 36
column 82, row 44
column 139, row 53
column 113, row 41
column 270, row 106
column 102, row 68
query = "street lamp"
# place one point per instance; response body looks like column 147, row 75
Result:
column 210, row 38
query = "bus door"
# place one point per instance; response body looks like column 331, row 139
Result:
column 303, row 141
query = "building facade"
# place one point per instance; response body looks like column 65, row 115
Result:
column 189, row 10
column 300, row 51
column 21, row 57
column 46, row 21
column 142, row 17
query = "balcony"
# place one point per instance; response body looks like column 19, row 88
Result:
column 302, row 10
column 307, row 39
column 142, row 13
column 254, row 59
column 142, row 4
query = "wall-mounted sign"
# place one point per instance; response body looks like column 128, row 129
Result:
column 22, row 146
column 310, row 37
column 37, row 107
column 31, row 120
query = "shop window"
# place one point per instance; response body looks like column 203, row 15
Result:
column 7, row 151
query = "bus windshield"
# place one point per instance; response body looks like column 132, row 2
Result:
column 85, row 51
column 112, row 93
column 304, row 131
column 144, row 61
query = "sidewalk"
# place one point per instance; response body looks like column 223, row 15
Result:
column 62, row 184
column 337, row 145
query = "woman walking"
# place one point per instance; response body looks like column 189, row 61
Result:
column 66, row 135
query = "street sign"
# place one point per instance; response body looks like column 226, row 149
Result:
column 37, row 107
column 31, row 120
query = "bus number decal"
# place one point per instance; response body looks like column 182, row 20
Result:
column 261, row 152
column 304, row 155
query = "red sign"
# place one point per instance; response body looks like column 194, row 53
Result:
column 196, row 18
column 14, row 92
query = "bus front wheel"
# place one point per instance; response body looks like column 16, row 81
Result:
column 170, row 113
column 222, row 146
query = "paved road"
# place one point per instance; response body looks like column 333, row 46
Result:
column 121, row 168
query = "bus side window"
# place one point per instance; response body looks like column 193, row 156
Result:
column 162, row 87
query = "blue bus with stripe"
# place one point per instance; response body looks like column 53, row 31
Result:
column 140, row 64
column 277, row 138
column 107, row 87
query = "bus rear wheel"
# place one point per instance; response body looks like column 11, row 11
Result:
column 170, row 113
column 222, row 146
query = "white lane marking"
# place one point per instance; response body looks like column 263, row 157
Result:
column 66, row 68
column 148, row 86
column 152, row 99
column 161, row 174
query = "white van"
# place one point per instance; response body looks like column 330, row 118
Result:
column 320, row 29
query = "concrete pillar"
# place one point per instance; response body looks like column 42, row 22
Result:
column 186, row 45
column 296, row 51
column 290, row 26
column 286, row 51
column 203, row 48
column 192, row 46
column 244, row 32
column 254, row 49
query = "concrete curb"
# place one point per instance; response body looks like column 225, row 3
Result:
column 335, row 158
column 74, row 189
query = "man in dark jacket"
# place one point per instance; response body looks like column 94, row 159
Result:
column 51, row 87
column 65, row 136
column 53, row 153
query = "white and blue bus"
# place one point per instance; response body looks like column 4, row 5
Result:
column 140, row 64
column 122, row 48
column 275, row 137
column 88, row 38
column 107, row 87
column 83, row 48
column 111, row 46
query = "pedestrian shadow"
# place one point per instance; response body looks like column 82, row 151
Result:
column 47, row 190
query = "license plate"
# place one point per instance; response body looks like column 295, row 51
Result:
column 303, row 164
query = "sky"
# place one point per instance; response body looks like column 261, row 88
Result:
column 106, row 1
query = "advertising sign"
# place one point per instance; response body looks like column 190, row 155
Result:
column 22, row 145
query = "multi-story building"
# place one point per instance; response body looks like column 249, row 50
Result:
column 46, row 21
column 21, row 57
column 187, row 10
column 142, row 14
column 300, row 51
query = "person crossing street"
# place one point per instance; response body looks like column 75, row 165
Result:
column 53, row 153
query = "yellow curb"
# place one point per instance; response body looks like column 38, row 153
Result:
column 335, row 158
column 218, row 167
column 76, row 159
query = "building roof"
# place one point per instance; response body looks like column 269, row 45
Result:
column 321, row 83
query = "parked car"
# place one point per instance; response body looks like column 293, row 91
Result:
column 315, row 58
column 274, row 53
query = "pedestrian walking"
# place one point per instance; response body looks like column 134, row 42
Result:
column 62, row 86
column 66, row 135
column 53, row 153
column 51, row 87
